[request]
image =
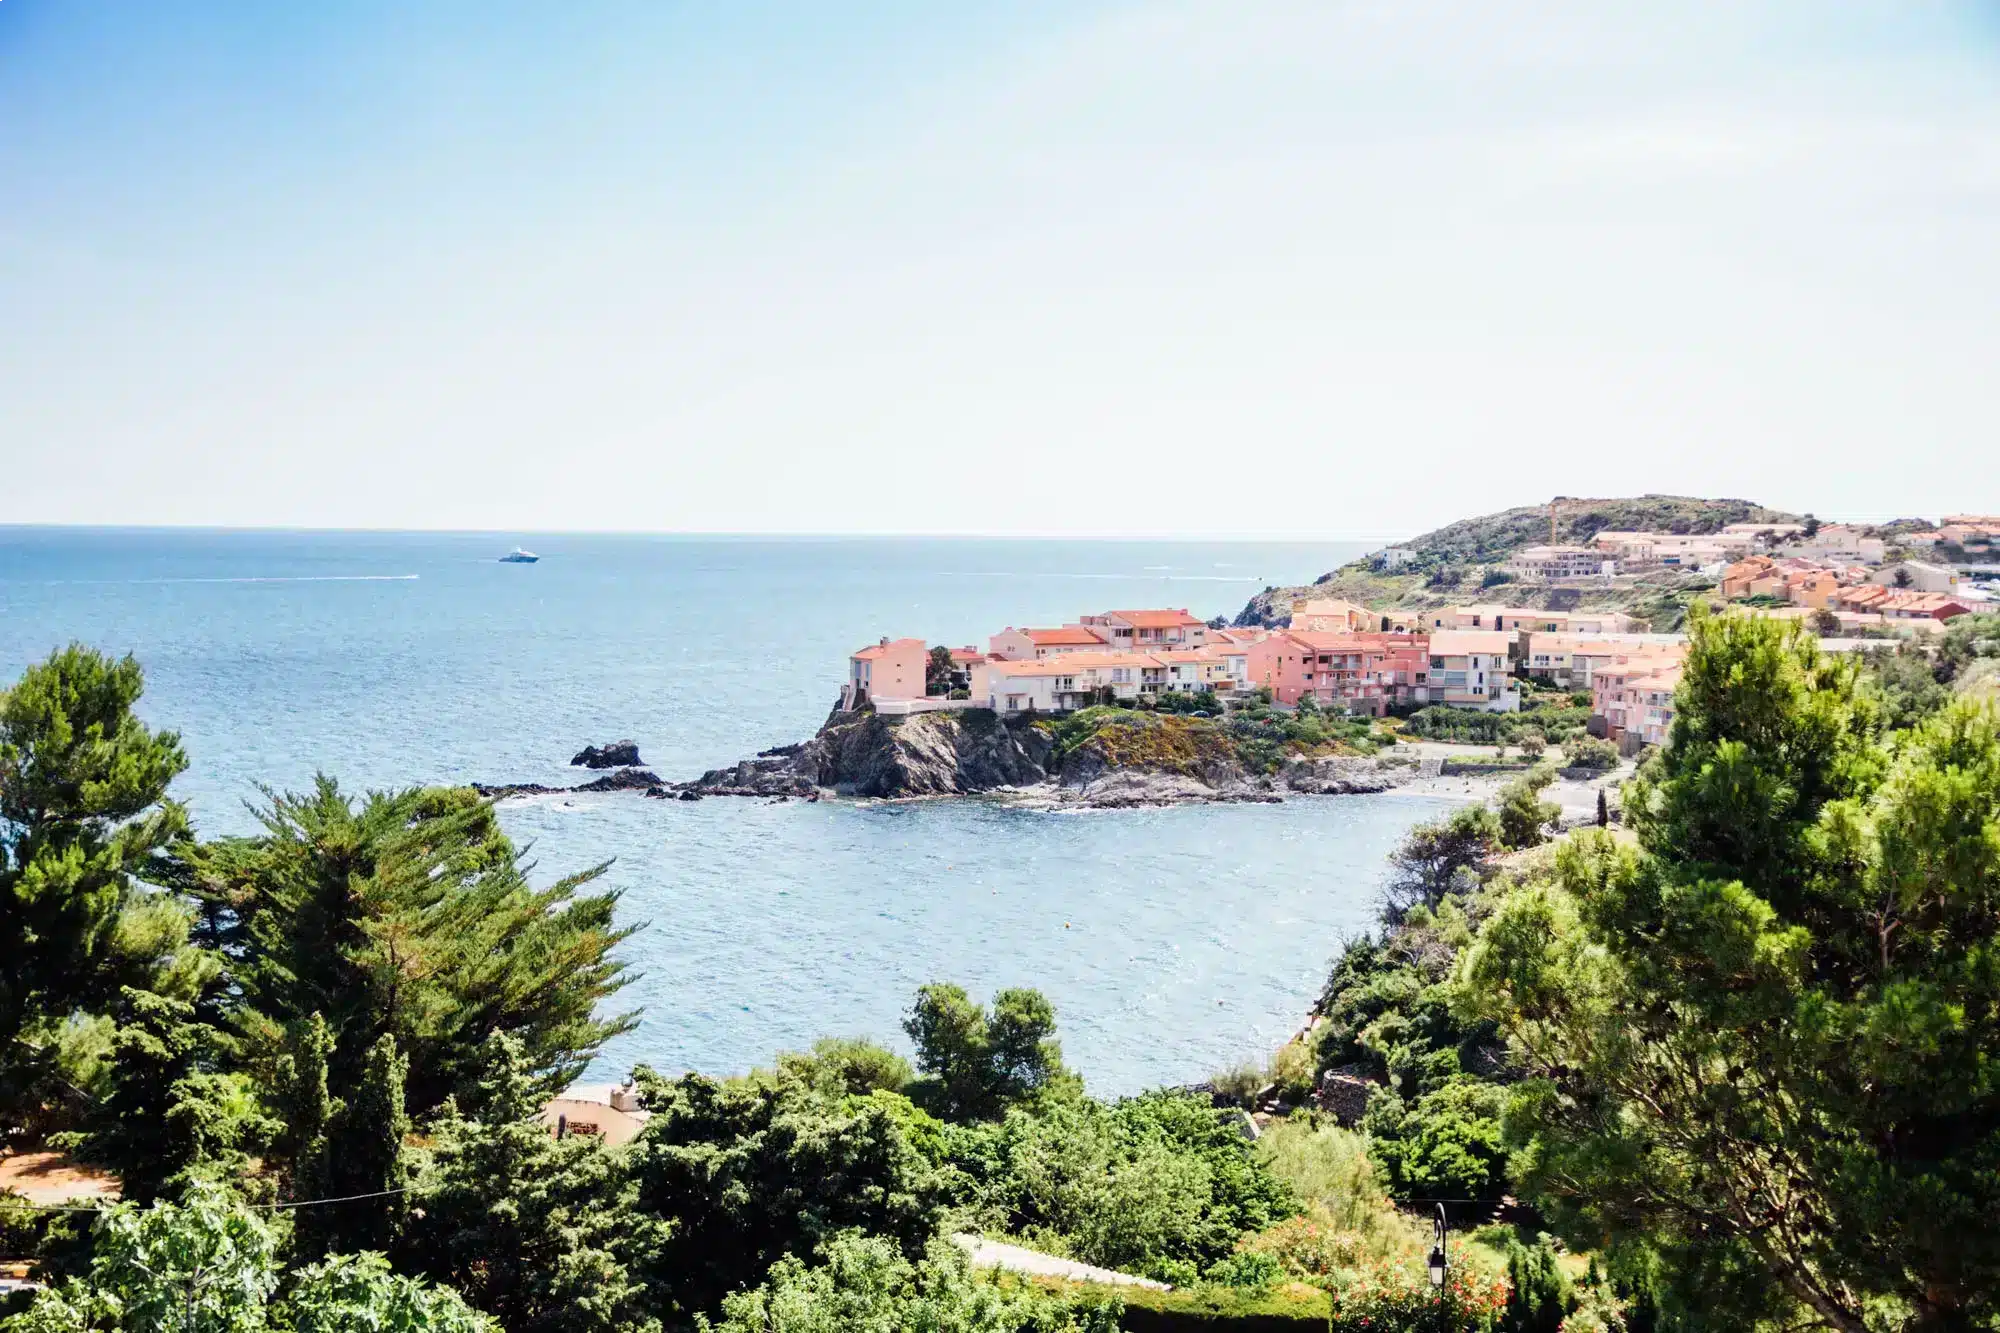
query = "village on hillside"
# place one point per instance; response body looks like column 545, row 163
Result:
column 1855, row 591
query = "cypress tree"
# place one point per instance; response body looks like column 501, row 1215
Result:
column 309, row 1114
column 368, row 1155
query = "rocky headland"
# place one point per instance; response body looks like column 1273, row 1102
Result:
column 1121, row 759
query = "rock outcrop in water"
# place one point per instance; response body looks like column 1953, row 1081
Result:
column 617, row 754
column 625, row 779
column 1137, row 760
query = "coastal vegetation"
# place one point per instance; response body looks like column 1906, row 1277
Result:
column 1728, row 1065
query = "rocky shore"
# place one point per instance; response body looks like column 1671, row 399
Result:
column 863, row 754
column 1135, row 761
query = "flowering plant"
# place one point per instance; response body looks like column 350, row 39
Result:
column 1396, row 1296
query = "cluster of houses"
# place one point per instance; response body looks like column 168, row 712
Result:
column 1611, row 553
column 1916, row 592
column 1833, row 547
column 1342, row 656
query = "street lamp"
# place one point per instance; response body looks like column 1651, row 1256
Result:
column 1437, row 1262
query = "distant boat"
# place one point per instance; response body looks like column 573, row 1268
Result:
column 517, row 556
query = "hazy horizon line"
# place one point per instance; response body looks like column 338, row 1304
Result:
column 715, row 533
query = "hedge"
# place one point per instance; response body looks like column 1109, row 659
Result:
column 1226, row 1310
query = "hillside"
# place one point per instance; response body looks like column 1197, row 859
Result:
column 1459, row 563
column 1493, row 537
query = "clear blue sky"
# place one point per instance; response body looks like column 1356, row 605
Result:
column 1324, row 268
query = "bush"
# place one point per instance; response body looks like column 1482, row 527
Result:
column 1524, row 816
column 1589, row 752
column 1159, row 1184
column 866, row 1284
column 1537, row 1292
column 1328, row 1169
column 1446, row 1144
column 1396, row 1297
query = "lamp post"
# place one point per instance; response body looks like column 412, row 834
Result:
column 1437, row 1260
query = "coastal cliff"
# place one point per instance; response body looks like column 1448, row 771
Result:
column 1104, row 758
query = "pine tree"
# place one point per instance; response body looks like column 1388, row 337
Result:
column 83, row 821
column 1761, row 1046
column 409, row 913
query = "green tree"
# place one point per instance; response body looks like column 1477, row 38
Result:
column 1538, row 1295
column 866, row 1285
column 368, row 1156
column 1440, row 857
column 1163, row 1184
column 531, row 1228
column 938, row 671
column 743, row 1173
column 210, row 1265
column 407, row 914
column 1444, row 1144
column 171, row 1115
column 358, row 1293
column 976, row 1063
column 307, row 1114
column 1525, row 817
column 84, row 818
column 1765, row 1044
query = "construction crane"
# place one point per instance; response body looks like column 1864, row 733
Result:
column 1554, row 506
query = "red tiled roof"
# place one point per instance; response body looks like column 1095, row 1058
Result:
column 1081, row 636
column 875, row 650
column 1155, row 619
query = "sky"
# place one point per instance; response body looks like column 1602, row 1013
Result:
column 1320, row 269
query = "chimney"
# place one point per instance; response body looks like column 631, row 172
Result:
column 625, row 1098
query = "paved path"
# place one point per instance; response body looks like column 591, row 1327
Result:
column 996, row 1254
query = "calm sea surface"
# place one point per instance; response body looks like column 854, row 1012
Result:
column 1172, row 941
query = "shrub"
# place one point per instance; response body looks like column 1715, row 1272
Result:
column 1538, row 1294
column 865, row 1283
column 1396, row 1297
column 1444, row 1144
column 1329, row 1171
column 1589, row 752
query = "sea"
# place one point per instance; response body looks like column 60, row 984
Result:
column 1173, row 942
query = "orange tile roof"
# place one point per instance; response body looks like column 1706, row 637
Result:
column 875, row 650
column 1080, row 635
column 1156, row 619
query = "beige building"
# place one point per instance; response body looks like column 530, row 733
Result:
column 1468, row 669
column 1562, row 564
column 890, row 669
column 597, row 1110
column 1917, row 576
column 1022, row 645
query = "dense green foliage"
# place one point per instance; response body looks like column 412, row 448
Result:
column 866, row 1285
column 84, row 826
column 407, row 914
column 976, row 1063
column 1764, row 1044
column 535, row 1230
column 1159, row 1184
column 1553, row 717
column 210, row 1265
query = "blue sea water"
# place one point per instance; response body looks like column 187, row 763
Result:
column 1172, row 941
